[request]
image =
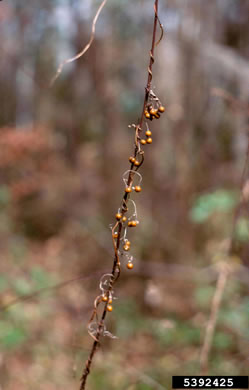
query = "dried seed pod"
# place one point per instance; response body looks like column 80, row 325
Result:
column 161, row 109
column 132, row 223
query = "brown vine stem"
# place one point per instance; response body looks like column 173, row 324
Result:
column 116, row 263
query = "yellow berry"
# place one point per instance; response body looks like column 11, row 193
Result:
column 148, row 133
column 147, row 115
column 153, row 111
column 118, row 216
column 124, row 219
column 138, row 189
column 149, row 140
column 143, row 141
column 157, row 116
column 129, row 265
column 110, row 300
column 115, row 235
column 132, row 223
column 128, row 189
column 105, row 298
column 161, row 109
column 132, row 160
column 137, row 163
column 109, row 307
column 126, row 248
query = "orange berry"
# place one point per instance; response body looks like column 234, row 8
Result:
column 149, row 140
column 138, row 189
column 129, row 265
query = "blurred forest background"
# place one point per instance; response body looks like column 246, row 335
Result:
column 63, row 151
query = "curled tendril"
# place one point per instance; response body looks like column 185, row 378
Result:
column 105, row 282
column 95, row 327
column 127, row 174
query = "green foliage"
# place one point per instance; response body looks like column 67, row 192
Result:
column 217, row 201
column 11, row 336
column 4, row 196
column 203, row 296
column 3, row 283
column 222, row 340
column 128, row 319
column 41, row 278
column 242, row 229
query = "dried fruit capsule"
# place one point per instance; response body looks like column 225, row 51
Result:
column 129, row 265
column 161, row 109
column 132, row 223
column 138, row 189
column 109, row 308
column 149, row 140
column 148, row 133
column 118, row 216
column 153, row 111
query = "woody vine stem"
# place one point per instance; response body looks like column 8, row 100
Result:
column 126, row 217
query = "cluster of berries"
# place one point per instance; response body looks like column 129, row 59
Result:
column 152, row 112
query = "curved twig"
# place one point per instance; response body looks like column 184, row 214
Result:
column 84, row 50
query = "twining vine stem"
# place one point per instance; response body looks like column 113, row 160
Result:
column 116, row 236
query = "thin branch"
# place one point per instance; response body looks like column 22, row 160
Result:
column 58, row 286
column 84, row 50
column 224, row 267
column 215, row 307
